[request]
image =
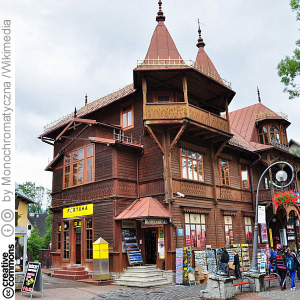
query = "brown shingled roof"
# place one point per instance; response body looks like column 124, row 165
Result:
column 91, row 107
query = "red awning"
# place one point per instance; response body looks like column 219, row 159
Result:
column 144, row 208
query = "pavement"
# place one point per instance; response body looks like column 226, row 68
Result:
column 61, row 289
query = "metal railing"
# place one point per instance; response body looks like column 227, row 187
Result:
column 119, row 136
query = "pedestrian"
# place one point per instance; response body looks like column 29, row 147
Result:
column 292, row 265
column 298, row 259
column 224, row 261
column 236, row 262
column 271, row 258
column 280, row 262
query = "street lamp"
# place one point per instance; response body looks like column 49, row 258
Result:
column 281, row 176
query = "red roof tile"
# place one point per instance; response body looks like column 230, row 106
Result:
column 143, row 208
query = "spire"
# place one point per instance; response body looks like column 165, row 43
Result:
column 160, row 15
column 200, row 39
column 85, row 101
column 75, row 113
column 258, row 94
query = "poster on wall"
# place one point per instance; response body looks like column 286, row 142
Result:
column 161, row 248
column 261, row 214
column 283, row 240
column 264, row 233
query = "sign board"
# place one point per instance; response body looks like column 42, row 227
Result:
column 33, row 280
column 180, row 231
column 264, row 233
column 156, row 221
column 261, row 214
column 128, row 224
column 78, row 211
column 282, row 234
column 135, row 257
column 290, row 232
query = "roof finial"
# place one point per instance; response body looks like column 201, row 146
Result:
column 200, row 39
column 85, row 101
column 258, row 94
column 75, row 113
column 160, row 15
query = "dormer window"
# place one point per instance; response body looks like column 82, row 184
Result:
column 272, row 134
column 127, row 116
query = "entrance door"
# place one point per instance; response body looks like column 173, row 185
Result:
column 78, row 245
column 150, row 245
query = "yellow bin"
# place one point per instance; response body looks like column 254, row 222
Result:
column 100, row 260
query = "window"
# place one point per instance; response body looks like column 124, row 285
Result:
column 192, row 165
column 263, row 135
column 224, row 170
column 195, row 230
column 161, row 97
column 274, row 134
column 127, row 117
column 283, row 136
column 79, row 167
column 228, row 230
column 244, row 176
column 89, row 238
column 59, row 237
column 66, row 240
column 248, row 230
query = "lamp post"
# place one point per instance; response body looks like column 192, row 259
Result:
column 281, row 176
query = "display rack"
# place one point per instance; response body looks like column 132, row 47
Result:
column 187, row 262
column 206, row 259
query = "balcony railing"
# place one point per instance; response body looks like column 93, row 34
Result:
column 181, row 110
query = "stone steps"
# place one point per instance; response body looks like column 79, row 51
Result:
column 142, row 276
column 72, row 273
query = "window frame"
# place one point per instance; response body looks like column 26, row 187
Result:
column 227, row 229
column 196, row 160
column 72, row 162
column 227, row 182
column 281, row 134
column 87, row 249
column 162, row 93
column 248, row 178
column 122, row 113
column 202, row 226
column 247, row 227
column 66, row 245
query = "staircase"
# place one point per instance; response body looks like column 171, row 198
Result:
column 142, row 276
column 72, row 273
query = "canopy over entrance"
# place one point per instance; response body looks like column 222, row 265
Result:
column 147, row 207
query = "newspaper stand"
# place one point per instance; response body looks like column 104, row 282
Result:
column 100, row 260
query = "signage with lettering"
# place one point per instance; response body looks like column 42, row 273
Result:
column 78, row 211
column 128, row 224
column 156, row 221
column 33, row 280
column 180, row 232
column 261, row 214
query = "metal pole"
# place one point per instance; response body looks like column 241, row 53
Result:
column 254, row 263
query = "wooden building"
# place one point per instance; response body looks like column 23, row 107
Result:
column 163, row 160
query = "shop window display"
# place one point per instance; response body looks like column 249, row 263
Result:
column 228, row 230
column 195, row 235
column 89, row 238
column 248, row 230
column 19, row 255
column 66, row 241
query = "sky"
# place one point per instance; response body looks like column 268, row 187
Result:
column 66, row 49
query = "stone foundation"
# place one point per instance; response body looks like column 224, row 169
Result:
column 258, row 280
column 19, row 278
column 218, row 287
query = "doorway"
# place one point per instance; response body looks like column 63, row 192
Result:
column 151, row 245
column 78, row 245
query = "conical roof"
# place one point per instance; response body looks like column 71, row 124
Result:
column 203, row 63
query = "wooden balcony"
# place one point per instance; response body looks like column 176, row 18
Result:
column 180, row 110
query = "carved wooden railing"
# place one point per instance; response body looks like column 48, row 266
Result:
column 181, row 110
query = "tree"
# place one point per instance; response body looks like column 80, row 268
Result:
column 47, row 237
column 289, row 68
column 34, row 242
column 39, row 194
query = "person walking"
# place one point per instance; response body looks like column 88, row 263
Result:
column 292, row 266
column 298, row 259
column 280, row 262
column 236, row 262
column 224, row 261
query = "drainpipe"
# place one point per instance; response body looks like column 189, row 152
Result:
column 138, row 173
column 251, row 181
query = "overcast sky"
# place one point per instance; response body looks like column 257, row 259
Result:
column 65, row 49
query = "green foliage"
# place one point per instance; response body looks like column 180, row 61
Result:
column 296, row 152
column 47, row 237
column 289, row 68
column 34, row 243
column 39, row 194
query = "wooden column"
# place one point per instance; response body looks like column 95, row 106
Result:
column 144, row 88
column 167, row 167
column 185, row 90
column 227, row 114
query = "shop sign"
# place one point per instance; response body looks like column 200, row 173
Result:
column 290, row 231
column 78, row 211
column 228, row 220
column 271, row 237
column 261, row 214
column 264, row 233
column 156, row 221
column 247, row 221
column 128, row 224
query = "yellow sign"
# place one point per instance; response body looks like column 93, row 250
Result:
column 271, row 237
column 77, row 211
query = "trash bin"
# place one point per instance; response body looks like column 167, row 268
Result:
column 100, row 260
